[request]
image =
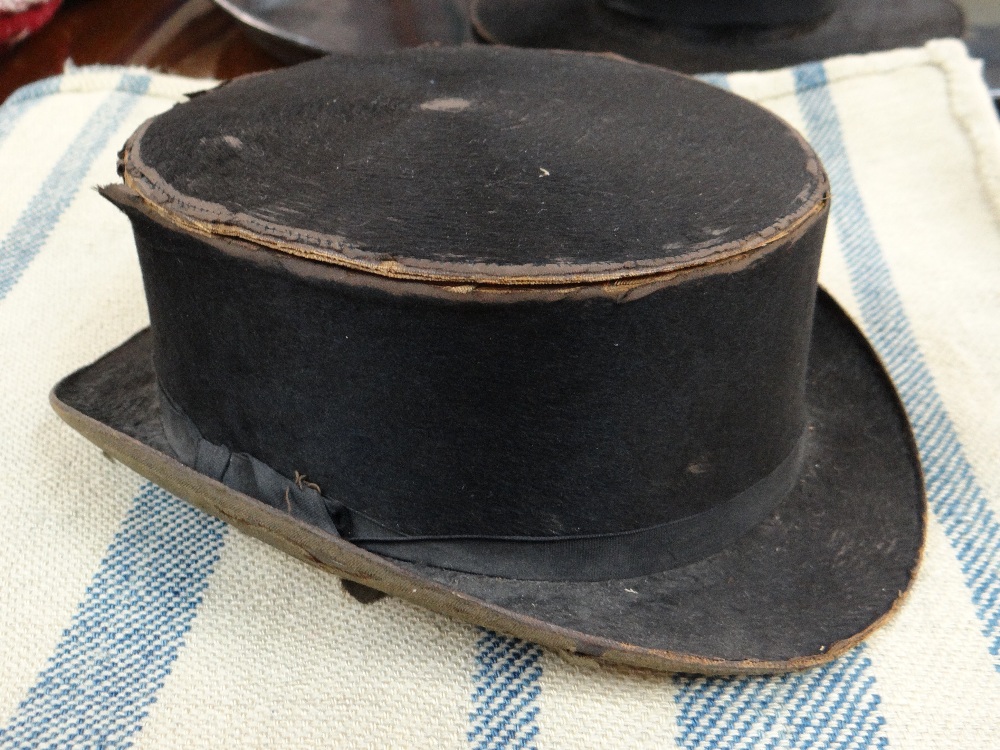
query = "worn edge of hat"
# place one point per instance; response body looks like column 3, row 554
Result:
column 621, row 290
column 208, row 219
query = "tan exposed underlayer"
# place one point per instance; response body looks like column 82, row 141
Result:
column 623, row 290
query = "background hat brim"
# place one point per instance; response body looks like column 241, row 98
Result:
column 826, row 568
column 856, row 26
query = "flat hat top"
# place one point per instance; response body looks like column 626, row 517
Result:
column 480, row 165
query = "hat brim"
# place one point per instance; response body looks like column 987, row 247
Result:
column 826, row 568
column 855, row 27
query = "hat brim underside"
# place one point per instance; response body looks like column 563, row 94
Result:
column 855, row 27
column 825, row 569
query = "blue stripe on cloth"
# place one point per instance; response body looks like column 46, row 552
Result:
column 832, row 706
column 126, row 633
column 955, row 495
column 32, row 228
column 33, row 91
column 719, row 80
column 505, row 694
column 22, row 100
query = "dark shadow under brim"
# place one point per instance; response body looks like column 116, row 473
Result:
column 855, row 27
column 826, row 567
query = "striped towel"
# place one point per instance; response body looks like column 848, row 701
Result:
column 131, row 619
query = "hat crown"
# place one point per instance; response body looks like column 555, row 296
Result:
column 505, row 407
column 502, row 166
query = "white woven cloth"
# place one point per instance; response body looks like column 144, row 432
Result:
column 129, row 619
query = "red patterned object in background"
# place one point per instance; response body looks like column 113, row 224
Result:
column 20, row 18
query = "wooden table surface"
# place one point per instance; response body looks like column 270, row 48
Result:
column 189, row 37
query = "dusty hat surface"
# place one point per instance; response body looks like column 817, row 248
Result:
column 698, row 37
column 350, row 272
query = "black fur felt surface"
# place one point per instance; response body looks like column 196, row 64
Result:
column 464, row 414
column 477, row 161
column 831, row 561
column 466, row 417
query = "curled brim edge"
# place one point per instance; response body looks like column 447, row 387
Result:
column 829, row 567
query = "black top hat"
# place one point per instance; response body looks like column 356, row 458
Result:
column 695, row 36
column 471, row 327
